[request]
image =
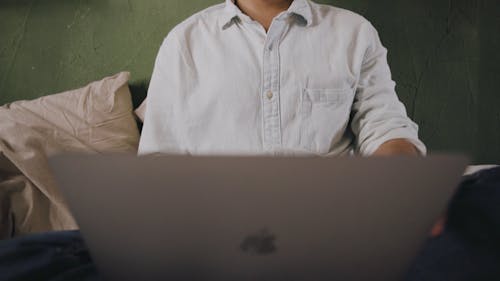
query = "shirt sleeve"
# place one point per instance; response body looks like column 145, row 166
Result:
column 169, row 78
column 377, row 113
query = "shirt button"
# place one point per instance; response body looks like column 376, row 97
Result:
column 269, row 95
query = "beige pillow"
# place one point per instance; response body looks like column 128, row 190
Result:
column 140, row 112
column 97, row 118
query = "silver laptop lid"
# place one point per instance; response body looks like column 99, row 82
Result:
column 255, row 218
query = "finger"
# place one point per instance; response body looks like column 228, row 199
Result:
column 438, row 227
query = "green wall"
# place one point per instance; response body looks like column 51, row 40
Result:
column 444, row 55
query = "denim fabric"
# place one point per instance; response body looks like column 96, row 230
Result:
column 51, row 256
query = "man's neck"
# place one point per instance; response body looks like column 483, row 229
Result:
column 263, row 11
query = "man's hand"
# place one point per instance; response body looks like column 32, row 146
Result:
column 438, row 227
column 396, row 147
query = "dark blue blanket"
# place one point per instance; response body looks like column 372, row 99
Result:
column 468, row 249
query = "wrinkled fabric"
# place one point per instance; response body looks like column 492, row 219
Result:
column 94, row 119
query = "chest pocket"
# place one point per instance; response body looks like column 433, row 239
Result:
column 324, row 117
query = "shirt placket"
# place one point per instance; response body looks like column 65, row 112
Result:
column 271, row 87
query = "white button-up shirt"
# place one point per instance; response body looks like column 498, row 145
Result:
column 317, row 82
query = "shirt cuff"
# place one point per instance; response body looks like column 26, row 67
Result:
column 401, row 133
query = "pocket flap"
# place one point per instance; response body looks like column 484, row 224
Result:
column 326, row 95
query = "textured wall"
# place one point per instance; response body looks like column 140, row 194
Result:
column 444, row 55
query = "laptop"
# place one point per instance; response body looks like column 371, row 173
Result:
column 255, row 218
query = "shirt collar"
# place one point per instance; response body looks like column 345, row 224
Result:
column 300, row 8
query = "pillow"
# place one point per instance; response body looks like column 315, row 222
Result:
column 97, row 118
column 476, row 168
column 140, row 112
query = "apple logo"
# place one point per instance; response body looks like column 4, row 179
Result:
column 260, row 243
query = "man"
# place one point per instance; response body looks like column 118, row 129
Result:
column 275, row 77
